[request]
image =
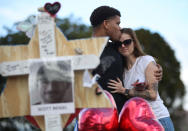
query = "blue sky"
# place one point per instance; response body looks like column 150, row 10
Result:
column 167, row 17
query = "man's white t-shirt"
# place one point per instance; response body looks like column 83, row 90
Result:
column 137, row 72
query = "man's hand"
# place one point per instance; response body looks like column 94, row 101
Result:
column 158, row 73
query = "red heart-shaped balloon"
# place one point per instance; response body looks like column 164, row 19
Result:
column 52, row 9
column 136, row 115
column 99, row 119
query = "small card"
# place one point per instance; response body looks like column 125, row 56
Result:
column 53, row 123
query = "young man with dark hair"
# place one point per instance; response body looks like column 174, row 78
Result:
column 105, row 21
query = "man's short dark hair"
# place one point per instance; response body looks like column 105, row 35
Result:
column 103, row 13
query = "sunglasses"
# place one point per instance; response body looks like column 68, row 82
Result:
column 125, row 42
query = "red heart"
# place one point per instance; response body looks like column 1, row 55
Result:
column 99, row 119
column 52, row 9
column 136, row 115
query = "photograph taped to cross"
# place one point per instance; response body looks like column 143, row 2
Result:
column 51, row 88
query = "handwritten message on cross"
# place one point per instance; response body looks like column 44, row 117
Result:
column 48, row 42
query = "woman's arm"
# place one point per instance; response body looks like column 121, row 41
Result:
column 150, row 93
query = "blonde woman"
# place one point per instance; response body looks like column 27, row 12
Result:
column 140, row 67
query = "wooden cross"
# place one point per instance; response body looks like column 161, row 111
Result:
column 14, row 101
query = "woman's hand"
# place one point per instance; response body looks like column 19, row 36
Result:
column 117, row 86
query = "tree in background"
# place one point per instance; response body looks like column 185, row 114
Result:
column 13, row 38
column 72, row 29
column 171, row 88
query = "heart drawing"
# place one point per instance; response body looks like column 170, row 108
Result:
column 52, row 9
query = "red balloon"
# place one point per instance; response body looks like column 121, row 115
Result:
column 99, row 119
column 136, row 115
